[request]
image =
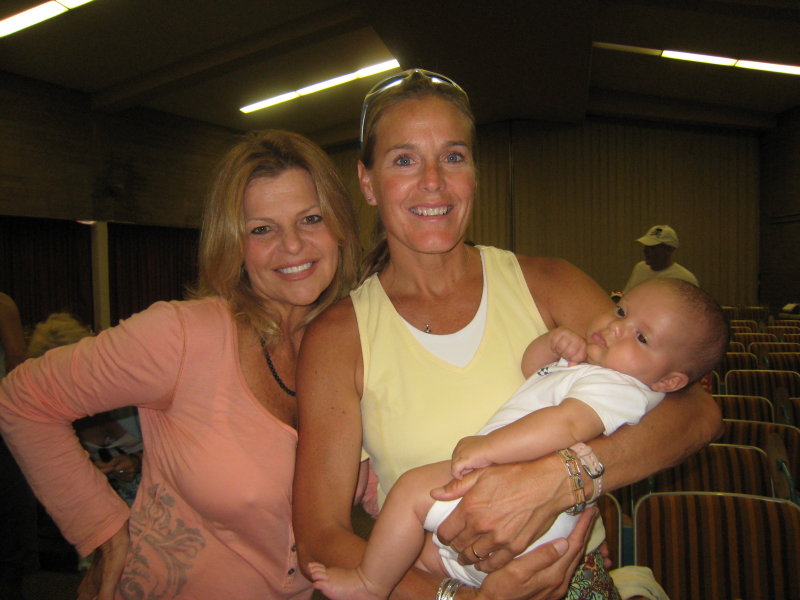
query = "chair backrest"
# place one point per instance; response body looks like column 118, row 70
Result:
column 761, row 349
column 761, row 382
column 749, row 338
column 737, row 360
column 718, row 468
column 792, row 338
column 753, row 313
column 757, row 433
column 785, row 361
column 730, row 312
column 711, row 545
column 786, row 322
column 787, row 410
column 752, row 408
column 712, row 383
column 736, row 346
column 746, row 323
column 611, row 513
column 781, row 330
column 740, row 329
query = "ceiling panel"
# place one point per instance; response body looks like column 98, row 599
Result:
column 203, row 59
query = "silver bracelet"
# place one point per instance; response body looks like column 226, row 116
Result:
column 448, row 589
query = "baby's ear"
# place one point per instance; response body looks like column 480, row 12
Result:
column 671, row 382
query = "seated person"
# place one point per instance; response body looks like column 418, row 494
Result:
column 114, row 450
column 663, row 335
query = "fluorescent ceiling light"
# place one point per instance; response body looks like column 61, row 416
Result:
column 761, row 66
column 704, row 58
column 323, row 85
column 629, row 49
column 37, row 14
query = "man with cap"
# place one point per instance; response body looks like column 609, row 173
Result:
column 658, row 244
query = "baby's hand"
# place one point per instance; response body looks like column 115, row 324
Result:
column 469, row 455
column 568, row 345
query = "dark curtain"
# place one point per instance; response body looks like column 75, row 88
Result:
column 147, row 264
column 46, row 267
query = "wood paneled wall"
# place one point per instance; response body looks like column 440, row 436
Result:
column 586, row 192
column 59, row 159
column 581, row 191
column 780, row 213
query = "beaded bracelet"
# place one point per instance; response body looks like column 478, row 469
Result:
column 448, row 589
column 593, row 467
column 576, row 481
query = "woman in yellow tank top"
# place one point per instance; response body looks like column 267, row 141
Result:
column 367, row 375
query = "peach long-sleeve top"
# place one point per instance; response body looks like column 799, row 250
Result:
column 212, row 518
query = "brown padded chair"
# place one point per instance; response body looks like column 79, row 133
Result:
column 761, row 349
column 748, row 324
column 705, row 545
column 784, row 361
column 753, row 313
column 730, row 312
column 792, row 337
column 752, row 408
column 736, row 346
column 749, row 338
column 740, row 329
column 737, row 360
column 787, row 410
column 718, row 468
column 714, row 383
column 781, row 330
column 762, row 382
column 778, row 440
column 611, row 513
column 785, row 322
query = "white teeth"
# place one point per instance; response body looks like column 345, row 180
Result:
column 297, row 269
column 432, row 212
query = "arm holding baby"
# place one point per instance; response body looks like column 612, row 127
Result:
column 539, row 432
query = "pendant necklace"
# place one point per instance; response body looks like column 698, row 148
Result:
column 427, row 328
column 277, row 377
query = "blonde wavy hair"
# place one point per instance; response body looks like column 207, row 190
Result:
column 59, row 329
column 259, row 154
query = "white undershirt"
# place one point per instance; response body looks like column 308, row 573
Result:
column 457, row 348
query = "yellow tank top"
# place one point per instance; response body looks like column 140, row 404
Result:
column 415, row 406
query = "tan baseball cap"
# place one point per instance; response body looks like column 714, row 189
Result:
column 660, row 234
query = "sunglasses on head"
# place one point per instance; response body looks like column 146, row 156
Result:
column 397, row 79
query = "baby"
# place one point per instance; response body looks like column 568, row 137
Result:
column 662, row 336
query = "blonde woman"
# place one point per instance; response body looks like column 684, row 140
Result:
column 429, row 346
column 213, row 379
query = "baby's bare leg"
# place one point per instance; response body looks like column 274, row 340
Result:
column 395, row 542
column 429, row 559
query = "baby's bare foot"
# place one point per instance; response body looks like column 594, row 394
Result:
column 341, row 584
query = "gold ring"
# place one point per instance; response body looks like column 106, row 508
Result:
column 478, row 556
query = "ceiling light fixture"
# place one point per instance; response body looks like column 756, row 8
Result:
column 704, row 58
column 322, row 85
column 762, row 66
column 37, row 14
